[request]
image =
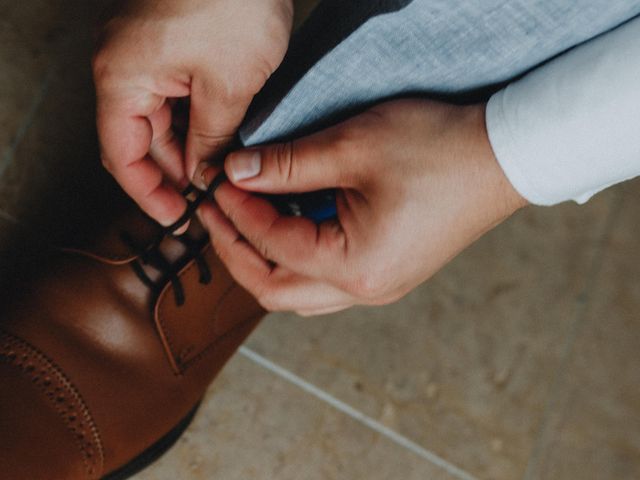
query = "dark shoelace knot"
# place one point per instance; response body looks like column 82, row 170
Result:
column 150, row 255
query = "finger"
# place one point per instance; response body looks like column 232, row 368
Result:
column 290, row 292
column 317, row 251
column 324, row 311
column 275, row 287
column 213, row 121
column 125, row 140
column 166, row 148
column 253, row 270
column 308, row 164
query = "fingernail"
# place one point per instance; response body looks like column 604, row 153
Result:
column 182, row 230
column 199, row 177
column 209, row 175
column 245, row 165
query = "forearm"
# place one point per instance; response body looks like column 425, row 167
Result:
column 570, row 129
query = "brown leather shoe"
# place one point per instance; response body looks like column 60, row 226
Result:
column 106, row 351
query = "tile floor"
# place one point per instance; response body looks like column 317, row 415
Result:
column 520, row 360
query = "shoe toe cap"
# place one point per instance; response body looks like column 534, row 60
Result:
column 42, row 435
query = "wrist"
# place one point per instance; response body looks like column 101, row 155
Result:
column 507, row 199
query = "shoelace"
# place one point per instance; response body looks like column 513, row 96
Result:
column 151, row 256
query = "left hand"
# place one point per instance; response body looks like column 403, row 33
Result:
column 218, row 53
column 417, row 183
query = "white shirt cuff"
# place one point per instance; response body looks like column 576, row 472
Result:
column 571, row 128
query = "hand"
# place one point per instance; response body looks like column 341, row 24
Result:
column 218, row 52
column 418, row 182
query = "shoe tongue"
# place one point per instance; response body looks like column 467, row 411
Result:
column 108, row 246
column 213, row 314
column 136, row 239
column 176, row 253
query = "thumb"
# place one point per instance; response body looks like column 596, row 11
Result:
column 300, row 166
column 214, row 118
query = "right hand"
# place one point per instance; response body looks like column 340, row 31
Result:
column 219, row 53
column 416, row 183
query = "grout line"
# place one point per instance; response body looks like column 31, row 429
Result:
column 578, row 323
column 9, row 153
column 356, row 415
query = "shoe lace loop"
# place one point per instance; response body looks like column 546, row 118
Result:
column 150, row 255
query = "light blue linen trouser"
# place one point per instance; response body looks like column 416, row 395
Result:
column 460, row 50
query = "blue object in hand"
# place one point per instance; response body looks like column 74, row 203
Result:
column 316, row 206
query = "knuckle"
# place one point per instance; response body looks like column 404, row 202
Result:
column 346, row 148
column 209, row 139
column 232, row 92
column 373, row 118
column 103, row 66
column 262, row 249
column 230, row 89
column 164, row 139
column 268, row 302
column 223, row 254
column 108, row 165
column 284, row 161
column 263, row 294
column 252, row 84
column 230, row 213
column 368, row 287
column 99, row 62
column 344, row 141
column 382, row 301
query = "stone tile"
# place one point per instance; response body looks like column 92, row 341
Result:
column 24, row 42
column 34, row 36
column 56, row 170
column 62, row 129
column 463, row 365
column 254, row 425
column 596, row 429
column 56, row 167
